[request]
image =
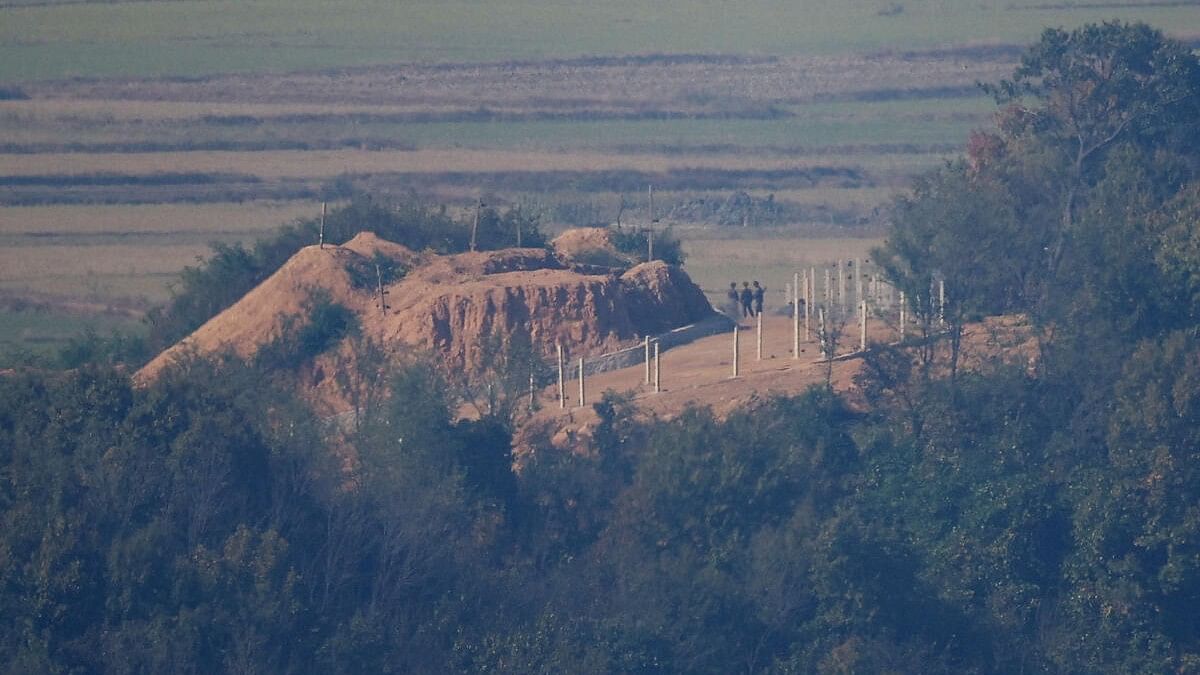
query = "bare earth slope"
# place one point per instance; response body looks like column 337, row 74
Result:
column 450, row 304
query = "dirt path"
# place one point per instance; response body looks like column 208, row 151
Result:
column 701, row 373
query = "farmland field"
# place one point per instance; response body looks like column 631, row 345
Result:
column 47, row 40
column 133, row 134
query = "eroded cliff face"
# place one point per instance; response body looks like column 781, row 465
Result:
column 452, row 305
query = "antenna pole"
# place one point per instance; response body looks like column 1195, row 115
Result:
column 321, row 233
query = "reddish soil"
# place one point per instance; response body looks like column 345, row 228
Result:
column 700, row 373
column 450, row 305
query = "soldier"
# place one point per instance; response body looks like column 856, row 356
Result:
column 747, row 297
column 731, row 305
column 759, row 292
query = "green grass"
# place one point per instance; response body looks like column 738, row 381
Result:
column 713, row 263
column 26, row 333
column 196, row 38
column 909, row 121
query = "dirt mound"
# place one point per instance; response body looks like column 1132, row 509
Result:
column 451, row 305
column 661, row 297
column 589, row 246
column 369, row 245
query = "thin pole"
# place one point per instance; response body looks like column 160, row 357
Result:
column 841, row 272
column 759, row 317
column 735, row 350
column 562, row 391
column 796, row 318
column 582, row 391
column 862, row 326
column 657, row 369
column 808, row 293
column 942, row 302
column 531, row 389
column 903, row 306
column 858, row 279
column 475, row 225
column 822, row 334
column 321, row 234
column 828, row 289
column 812, row 286
column 650, row 231
column 646, row 348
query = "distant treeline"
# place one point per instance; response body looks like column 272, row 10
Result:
column 116, row 188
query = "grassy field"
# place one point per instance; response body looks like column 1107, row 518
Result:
column 123, row 256
column 194, row 38
column 41, row 331
column 714, row 262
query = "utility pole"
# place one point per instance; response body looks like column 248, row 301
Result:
column 653, row 221
column 475, row 225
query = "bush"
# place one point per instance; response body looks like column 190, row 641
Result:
column 367, row 274
column 327, row 323
column 667, row 246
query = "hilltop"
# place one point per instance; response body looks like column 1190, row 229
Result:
column 450, row 305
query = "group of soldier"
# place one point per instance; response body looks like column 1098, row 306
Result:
column 750, row 298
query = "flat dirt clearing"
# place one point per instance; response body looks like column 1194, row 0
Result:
column 700, row 373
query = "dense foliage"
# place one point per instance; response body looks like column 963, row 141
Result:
column 1018, row 516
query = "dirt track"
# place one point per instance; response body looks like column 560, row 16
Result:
column 701, row 373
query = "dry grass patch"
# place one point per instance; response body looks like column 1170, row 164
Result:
column 213, row 219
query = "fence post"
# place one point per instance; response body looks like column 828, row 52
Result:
column 562, row 391
column 796, row 317
column 858, row 280
column 646, row 348
column 942, row 302
column 821, row 334
column 808, row 301
column 735, row 349
column 759, row 329
column 582, row 391
column 841, row 272
column 657, row 369
column 862, row 327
